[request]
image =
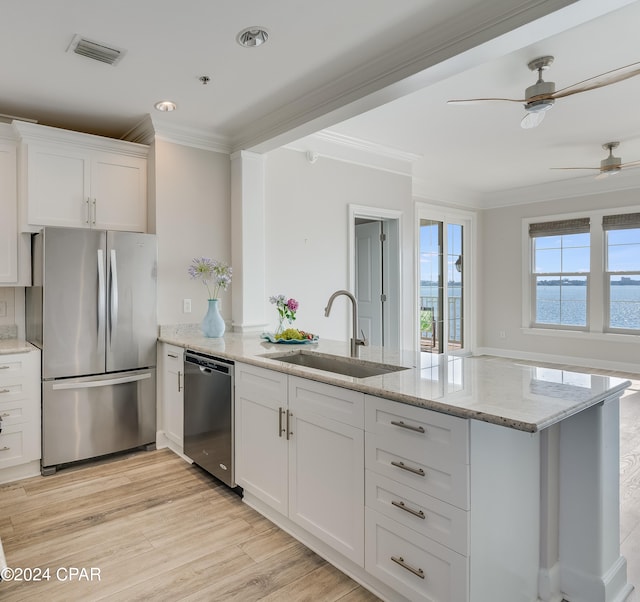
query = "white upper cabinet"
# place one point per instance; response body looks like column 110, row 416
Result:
column 8, row 210
column 80, row 180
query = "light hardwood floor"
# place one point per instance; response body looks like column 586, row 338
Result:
column 160, row 529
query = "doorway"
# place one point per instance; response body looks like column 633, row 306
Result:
column 374, row 249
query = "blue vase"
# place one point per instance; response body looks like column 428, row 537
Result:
column 213, row 325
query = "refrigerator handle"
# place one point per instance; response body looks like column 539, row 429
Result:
column 101, row 298
column 113, row 310
column 106, row 382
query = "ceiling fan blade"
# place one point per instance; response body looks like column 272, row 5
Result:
column 597, row 168
column 631, row 164
column 600, row 81
column 469, row 101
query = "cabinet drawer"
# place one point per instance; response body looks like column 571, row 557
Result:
column 16, row 412
column 432, row 433
column 332, row 402
column 415, row 566
column 409, row 464
column 11, row 446
column 422, row 513
column 266, row 386
column 14, row 368
column 173, row 358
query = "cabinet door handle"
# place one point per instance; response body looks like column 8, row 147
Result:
column 5, row 448
column 417, row 429
column 5, row 390
column 402, row 506
column 173, row 355
column 400, row 560
column 95, row 212
column 87, row 211
column 179, row 381
column 5, row 367
column 402, row 465
column 289, row 432
column 280, row 429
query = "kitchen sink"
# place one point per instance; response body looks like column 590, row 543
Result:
column 333, row 363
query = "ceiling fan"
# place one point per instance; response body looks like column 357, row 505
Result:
column 609, row 166
column 541, row 96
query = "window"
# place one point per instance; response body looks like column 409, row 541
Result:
column 622, row 271
column 584, row 273
column 561, row 254
column 443, row 304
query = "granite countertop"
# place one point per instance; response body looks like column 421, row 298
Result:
column 15, row 346
column 496, row 390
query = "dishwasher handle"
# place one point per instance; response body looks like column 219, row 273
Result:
column 209, row 364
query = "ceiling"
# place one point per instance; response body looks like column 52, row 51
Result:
column 377, row 76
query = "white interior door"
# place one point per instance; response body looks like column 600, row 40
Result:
column 369, row 291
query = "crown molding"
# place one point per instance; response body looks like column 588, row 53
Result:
column 150, row 129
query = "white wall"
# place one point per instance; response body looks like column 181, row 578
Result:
column 307, row 232
column 192, row 219
column 501, row 276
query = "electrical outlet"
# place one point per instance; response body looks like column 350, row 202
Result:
column 186, row 306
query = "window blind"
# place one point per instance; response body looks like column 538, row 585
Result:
column 557, row 228
column 623, row 221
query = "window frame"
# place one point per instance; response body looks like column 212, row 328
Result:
column 598, row 293
column 607, row 282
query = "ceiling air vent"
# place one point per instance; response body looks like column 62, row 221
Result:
column 96, row 50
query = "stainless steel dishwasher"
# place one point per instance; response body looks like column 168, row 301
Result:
column 208, row 414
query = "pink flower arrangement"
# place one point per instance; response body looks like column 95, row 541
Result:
column 286, row 307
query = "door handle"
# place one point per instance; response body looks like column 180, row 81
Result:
column 87, row 384
column 289, row 432
column 101, row 299
column 113, row 310
column 95, row 212
column 179, row 381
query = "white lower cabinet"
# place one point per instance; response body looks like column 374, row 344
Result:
column 417, row 520
column 171, row 406
column 300, row 450
column 413, row 565
column 417, row 505
column 19, row 414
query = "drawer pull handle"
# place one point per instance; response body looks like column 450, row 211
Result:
column 402, row 506
column 402, row 465
column 4, row 415
column 417, row 429
column 173, row 355
column 280, row 429
column 5, row 390
column 400, row 560
column 5, row 448
column 180, row 386
column 4, row 367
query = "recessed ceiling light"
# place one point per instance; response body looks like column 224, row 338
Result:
column 165, row 105
column 252, row 37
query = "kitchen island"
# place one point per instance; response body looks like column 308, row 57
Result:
column 530, row 469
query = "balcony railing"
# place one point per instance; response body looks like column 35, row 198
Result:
column 432, row 323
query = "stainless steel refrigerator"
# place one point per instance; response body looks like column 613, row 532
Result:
column 92, row 311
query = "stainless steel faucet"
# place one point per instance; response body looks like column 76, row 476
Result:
column 356, row 343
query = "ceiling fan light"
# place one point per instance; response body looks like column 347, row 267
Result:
column 532, row 119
